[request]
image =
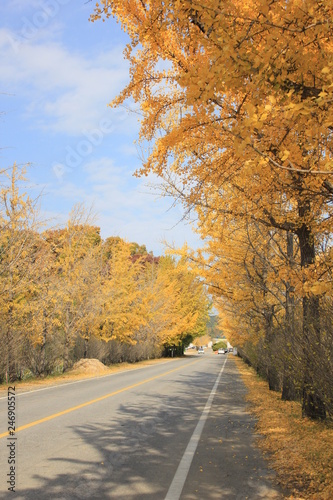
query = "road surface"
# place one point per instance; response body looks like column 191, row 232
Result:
column 174, row 430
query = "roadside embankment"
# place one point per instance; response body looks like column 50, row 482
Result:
column 299, row 450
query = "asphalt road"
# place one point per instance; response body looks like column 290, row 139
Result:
column 174, row 430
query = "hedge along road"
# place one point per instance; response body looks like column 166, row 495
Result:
column 166, row 431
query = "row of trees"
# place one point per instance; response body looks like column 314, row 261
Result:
column 66, row 293
column 259, row 291
column 236, row 100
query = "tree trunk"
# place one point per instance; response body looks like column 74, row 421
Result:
column 85, row 352
column 66, row 343
column 66, row 355
column 313, row 404
column 273, row 377
column 11, row 374
column 43, row 346
column 289, row 391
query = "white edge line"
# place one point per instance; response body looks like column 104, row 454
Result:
column 179, row 479
column 85, row 379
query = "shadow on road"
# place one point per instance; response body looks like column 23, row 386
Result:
column 133, row 453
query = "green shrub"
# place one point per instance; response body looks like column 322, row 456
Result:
column 219, row 345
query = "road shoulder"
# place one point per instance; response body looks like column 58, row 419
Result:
column 227, row 463
column 75, row 376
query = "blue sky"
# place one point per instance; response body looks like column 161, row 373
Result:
column 58, row 73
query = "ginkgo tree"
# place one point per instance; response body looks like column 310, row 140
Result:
column 76, row 270
column 179, row 311
column 64, row 288
column 159, row 302
column 248, row 271
column 236, row 99
column 121, row 308
column 20, row 260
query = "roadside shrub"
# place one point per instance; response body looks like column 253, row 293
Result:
column 219, row 345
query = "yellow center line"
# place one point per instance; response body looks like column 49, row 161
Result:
column 74, row 408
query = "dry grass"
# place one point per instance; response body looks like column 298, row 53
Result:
column 79, row 372
column 300, row 450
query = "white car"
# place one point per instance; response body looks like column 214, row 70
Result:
column 201, row 351
column 220, row 351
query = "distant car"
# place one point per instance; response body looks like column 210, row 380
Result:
column 201, row 351
column 220, row 351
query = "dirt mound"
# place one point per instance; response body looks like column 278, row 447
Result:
column 89, row 367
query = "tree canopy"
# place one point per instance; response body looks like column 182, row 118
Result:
column 236, row 101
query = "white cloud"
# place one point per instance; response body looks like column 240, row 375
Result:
column 67, row 91
column 23, row 5
column 125, row 206
column 63, row 92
